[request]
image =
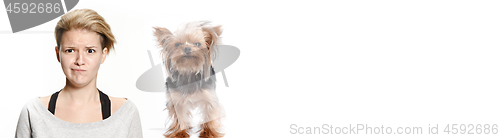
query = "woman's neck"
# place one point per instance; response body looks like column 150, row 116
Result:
column 80, row 94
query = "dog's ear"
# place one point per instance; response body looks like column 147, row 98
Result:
column 212, row 39
column 212, row 34
column 162, row 35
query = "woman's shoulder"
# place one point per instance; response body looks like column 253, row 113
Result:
column 45, row 100
column 124, row 109
column 34, row 107
column 34, row 103
column 116, row 103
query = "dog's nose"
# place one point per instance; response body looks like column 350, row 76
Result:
column 187, row 50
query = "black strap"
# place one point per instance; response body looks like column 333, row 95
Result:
column 105, row 104
column 52, row 102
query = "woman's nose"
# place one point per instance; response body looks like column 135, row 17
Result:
column 79, row 59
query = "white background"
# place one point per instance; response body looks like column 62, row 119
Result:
column 392, row 63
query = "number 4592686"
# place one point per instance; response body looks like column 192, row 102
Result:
column 471, row 129
column 33, row 8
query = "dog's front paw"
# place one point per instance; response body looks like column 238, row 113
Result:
column 178, row 134
column 208, row 132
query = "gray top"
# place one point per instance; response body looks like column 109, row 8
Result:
column 36, row 121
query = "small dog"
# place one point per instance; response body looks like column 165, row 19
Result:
column 188, row 55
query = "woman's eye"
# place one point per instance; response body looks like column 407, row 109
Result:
column 69, row 50
column 90, row 50
column 197, row 44
column 177, row 44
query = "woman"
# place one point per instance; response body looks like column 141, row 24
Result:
column 80, row 109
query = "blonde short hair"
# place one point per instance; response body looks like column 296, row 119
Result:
column 85, row 19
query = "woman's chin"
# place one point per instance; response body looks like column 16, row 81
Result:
column 79, row 82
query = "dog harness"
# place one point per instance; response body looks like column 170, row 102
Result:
column 105, row 104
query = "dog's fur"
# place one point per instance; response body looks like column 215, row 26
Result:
column 188, row 54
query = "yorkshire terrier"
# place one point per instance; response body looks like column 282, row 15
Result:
column 188, row 54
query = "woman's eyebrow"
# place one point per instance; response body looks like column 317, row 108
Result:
column 68, row 47
column 91, row 46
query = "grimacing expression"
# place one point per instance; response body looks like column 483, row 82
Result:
column 81, row 54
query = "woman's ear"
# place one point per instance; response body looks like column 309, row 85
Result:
column 104, row 54
column 57, row 54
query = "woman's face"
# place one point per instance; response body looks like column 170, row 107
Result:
column 80, row 56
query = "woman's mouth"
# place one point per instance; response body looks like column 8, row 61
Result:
column 78, row 70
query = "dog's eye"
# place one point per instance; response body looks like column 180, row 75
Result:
column 197, row 44
column 177, row 44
